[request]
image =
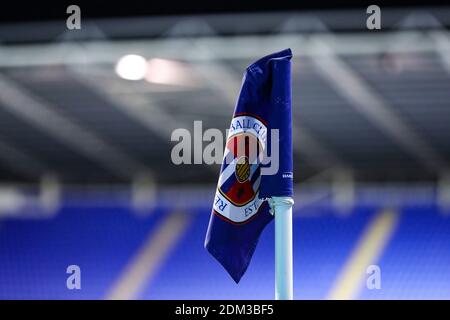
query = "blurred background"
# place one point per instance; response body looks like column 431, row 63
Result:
column 86, row 177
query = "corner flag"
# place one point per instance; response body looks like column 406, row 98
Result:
column 249, row 177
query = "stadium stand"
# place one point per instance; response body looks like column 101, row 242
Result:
column 105, row 238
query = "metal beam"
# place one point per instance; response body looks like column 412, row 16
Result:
column 41, row 115
column 140, row 108
column 441, row 41
column 369, row 103
column 238, row 47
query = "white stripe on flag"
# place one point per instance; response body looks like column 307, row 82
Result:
column 227, row 172
column 256, row 184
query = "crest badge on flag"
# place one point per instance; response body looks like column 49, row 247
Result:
column 237, row 196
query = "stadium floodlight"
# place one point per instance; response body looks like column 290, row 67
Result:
column 131, row 67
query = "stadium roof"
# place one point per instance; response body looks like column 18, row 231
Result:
column 373, row 103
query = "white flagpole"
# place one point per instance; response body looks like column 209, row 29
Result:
column 282, row 208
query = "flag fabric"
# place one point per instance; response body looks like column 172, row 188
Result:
column 240, row 208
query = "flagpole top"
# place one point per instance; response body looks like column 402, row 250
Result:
column 280, row 201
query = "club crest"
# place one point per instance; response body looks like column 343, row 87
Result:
column 236, row 197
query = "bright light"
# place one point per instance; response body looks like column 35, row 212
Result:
column 131, row 67
column 162, row 71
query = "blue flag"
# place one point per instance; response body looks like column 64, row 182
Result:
column 257, row 163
